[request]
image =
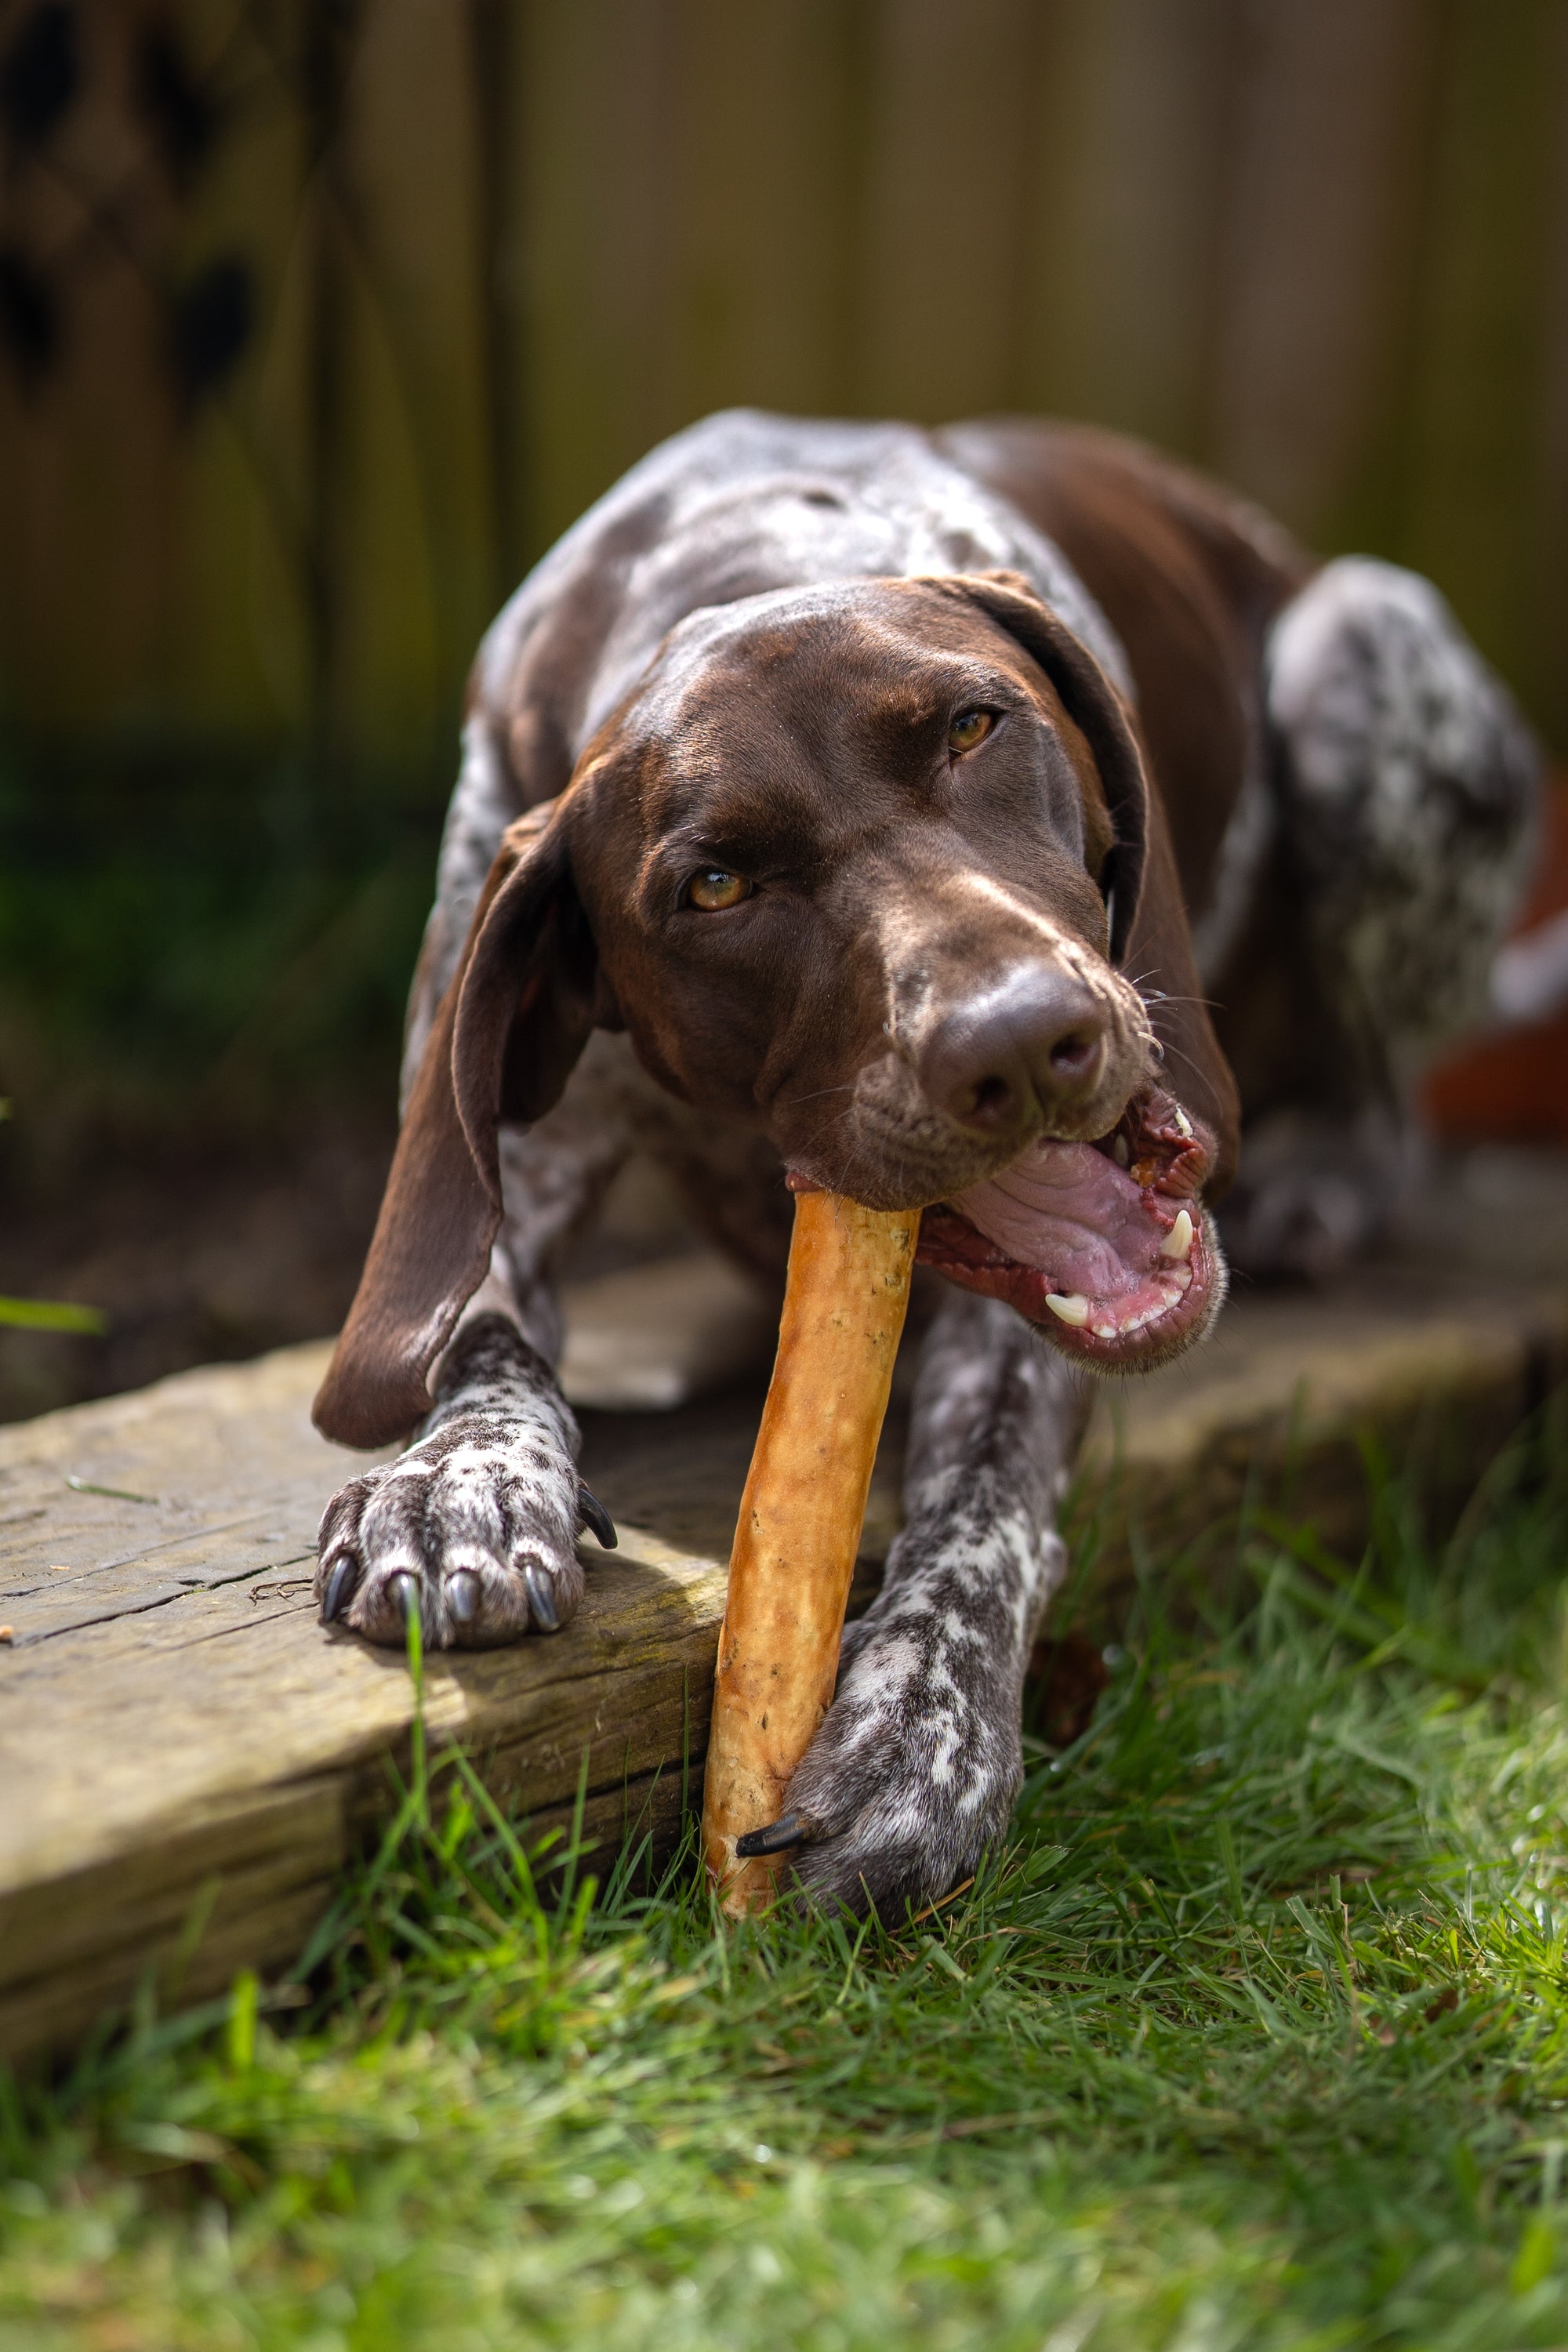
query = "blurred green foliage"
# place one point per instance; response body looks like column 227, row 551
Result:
column 213, row 928
column 50, row 1315
column 321, row 322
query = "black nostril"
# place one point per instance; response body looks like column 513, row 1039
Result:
column 990, row 1102
column 1031, row 1043
column 1073, row 1058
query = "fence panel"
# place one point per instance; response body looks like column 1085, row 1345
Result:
column 319, row 318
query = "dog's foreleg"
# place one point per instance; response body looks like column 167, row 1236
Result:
column 919, row 1758
column 474, row 1527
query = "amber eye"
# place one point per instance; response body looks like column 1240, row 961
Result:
column 713, row 890
column 970, row 728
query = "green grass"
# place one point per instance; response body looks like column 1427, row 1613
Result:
column 1253, row 2036
column 50, row 1315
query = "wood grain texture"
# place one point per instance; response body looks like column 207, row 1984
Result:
column 170, row 1713
column 184, row 1749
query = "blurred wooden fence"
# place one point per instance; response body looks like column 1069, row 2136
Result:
column 318, row 319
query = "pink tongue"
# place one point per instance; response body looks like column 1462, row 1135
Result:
column 1070, row 1212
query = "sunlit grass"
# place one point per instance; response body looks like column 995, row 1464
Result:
column 1253, row 2036
column 50, row 1315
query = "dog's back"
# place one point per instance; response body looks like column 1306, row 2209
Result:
column 853, row 799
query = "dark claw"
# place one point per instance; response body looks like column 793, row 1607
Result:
column 407, row 1591
column 592, row 1513
column 463, row 1595
column 541, row 1599
column 340, row 1587
column 788, row 1830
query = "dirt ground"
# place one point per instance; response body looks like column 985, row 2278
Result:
column 196, row 1256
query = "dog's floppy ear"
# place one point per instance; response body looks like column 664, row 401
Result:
column 505, row 1036
column 1096, row 708
column 1143, row 893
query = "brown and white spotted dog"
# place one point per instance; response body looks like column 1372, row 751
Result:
column 999, row 820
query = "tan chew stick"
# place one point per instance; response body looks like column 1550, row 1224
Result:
column 801, row 1515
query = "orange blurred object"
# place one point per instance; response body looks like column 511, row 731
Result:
column 1511, row 1085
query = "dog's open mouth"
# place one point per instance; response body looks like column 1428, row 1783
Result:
column 1104, row 1246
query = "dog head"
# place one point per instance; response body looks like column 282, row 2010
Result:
column 869, row 863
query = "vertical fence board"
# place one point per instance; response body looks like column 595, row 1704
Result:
column 235, row 653
column 89, row 465
column 1134, row 137
column 497, row 61
column 1317, row 238
column 950, row 141
column 1547, row 688
column 419, row 522
column 1321, row 244
column 598, row 195
column 1476, row 420
column 762, row 219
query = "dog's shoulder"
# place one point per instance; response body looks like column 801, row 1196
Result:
column 1191, row 577
column 1115, row 504
column 742, row 504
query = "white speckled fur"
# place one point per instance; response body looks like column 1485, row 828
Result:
column 487, row 1492
column 1398, row 791
column 916, row 1766
column 1406, row 783
column 1400, row 807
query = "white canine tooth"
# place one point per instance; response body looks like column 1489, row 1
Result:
column 1068, row 1308
column 1121, row 1152
column 1178, row 1242
column 1184, row 1124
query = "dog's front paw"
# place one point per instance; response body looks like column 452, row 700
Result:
column 474, row 1527
column 914, row 1770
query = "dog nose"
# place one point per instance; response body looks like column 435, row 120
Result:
column 1035, row 1040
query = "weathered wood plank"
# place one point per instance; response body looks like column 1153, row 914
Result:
column 175, row 1716
column 181, row 1746
column 1273, row 1416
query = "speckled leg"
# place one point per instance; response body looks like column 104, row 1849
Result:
column 475, row 1525
column 919, row 1760
column 1406, row 784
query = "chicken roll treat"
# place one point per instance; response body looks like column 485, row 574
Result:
column 800, row 1522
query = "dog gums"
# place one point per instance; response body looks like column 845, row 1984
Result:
column 800, row 1521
